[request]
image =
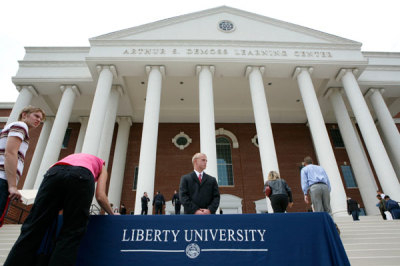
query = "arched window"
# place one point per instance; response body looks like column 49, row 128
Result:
column 224, row 161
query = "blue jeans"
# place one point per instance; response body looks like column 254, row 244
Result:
column 3, row 195
column 355, row 215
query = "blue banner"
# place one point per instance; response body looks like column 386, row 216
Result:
column 244, row 239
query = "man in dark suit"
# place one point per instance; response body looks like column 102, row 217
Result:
column 145, row 200
column 158, row 202
column 176, row 202
column 353, row 209
column 198, row 191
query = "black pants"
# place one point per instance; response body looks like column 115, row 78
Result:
column 279, row 202
column 144, row 210
column 158, row 208
column 67, row 188
column 177, row 208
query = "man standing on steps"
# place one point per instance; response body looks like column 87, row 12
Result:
column 158, row 202
column 14, row 142
column 315, row 180
column 198, row 191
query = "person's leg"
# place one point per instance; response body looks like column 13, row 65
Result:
column 275, row 203
column 43, row 213
column 326, row 199
column 79, row 190
column 284, row 202
column 357, row 215
column 316, row 197
column 3, row 195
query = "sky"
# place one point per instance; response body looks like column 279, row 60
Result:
column 27, row 23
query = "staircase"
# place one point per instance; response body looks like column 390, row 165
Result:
column 370, row 241
column 8, row 235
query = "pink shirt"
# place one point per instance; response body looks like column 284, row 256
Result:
column 91, row 162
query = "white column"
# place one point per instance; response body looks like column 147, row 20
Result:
column 118, row 168
column 25, row 96
column 57, row 134
column 207, row 119
column 321, row 140
column 389, row 129
column 269, row 161
column 380, row 159
column 359, row 165
column 38, row 154
column 82, row 131
column 98, row 111
column 109, row 122
column 148, row 146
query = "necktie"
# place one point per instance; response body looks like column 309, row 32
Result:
column 200, row 177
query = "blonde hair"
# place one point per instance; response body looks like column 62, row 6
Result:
column 196, row 156
column 31, row 109
column 272, row 175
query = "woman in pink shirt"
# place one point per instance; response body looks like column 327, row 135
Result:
column 69, row 186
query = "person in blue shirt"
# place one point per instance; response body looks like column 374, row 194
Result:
column 315, row 180
column 393, row 207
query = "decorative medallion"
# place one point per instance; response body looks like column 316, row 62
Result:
column 226, row 26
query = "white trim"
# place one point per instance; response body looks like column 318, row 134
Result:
column 222, row 131
column 181, row 134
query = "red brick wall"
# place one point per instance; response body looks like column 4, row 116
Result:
column 292, row 142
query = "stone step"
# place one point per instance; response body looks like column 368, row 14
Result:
column 375, row 260
column 367, row 240
column 371, row 245
column 389, row 252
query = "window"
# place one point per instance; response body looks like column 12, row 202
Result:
column 348, row 176
column 336, row 138
column 135, row 177
column 181, row 140
column 224, row 162
column 66, row 138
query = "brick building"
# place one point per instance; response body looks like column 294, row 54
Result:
column 253, row 93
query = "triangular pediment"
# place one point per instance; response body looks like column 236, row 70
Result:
column 204, row 26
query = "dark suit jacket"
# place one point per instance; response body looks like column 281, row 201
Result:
column 196, row 196
column 352, row 205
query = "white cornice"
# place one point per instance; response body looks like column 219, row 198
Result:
column 383, row 68
column 72, row 49
column 225, row 43
column 381, row 54
column 28, row 80
column 52, row 63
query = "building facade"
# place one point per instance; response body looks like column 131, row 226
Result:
column 253, row 93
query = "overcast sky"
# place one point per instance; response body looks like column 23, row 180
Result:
column 376, row 24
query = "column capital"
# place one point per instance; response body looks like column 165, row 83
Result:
column 161, row 68
column 251, row 68
column 119, row 89
column 30, row 88
column 331, row 90
column 343, row 71
column 370, row 91
column 112, row 68
column 298, row 70
column 74, row 88
column 127, row 119
column 83, row 119
column 200, row 67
